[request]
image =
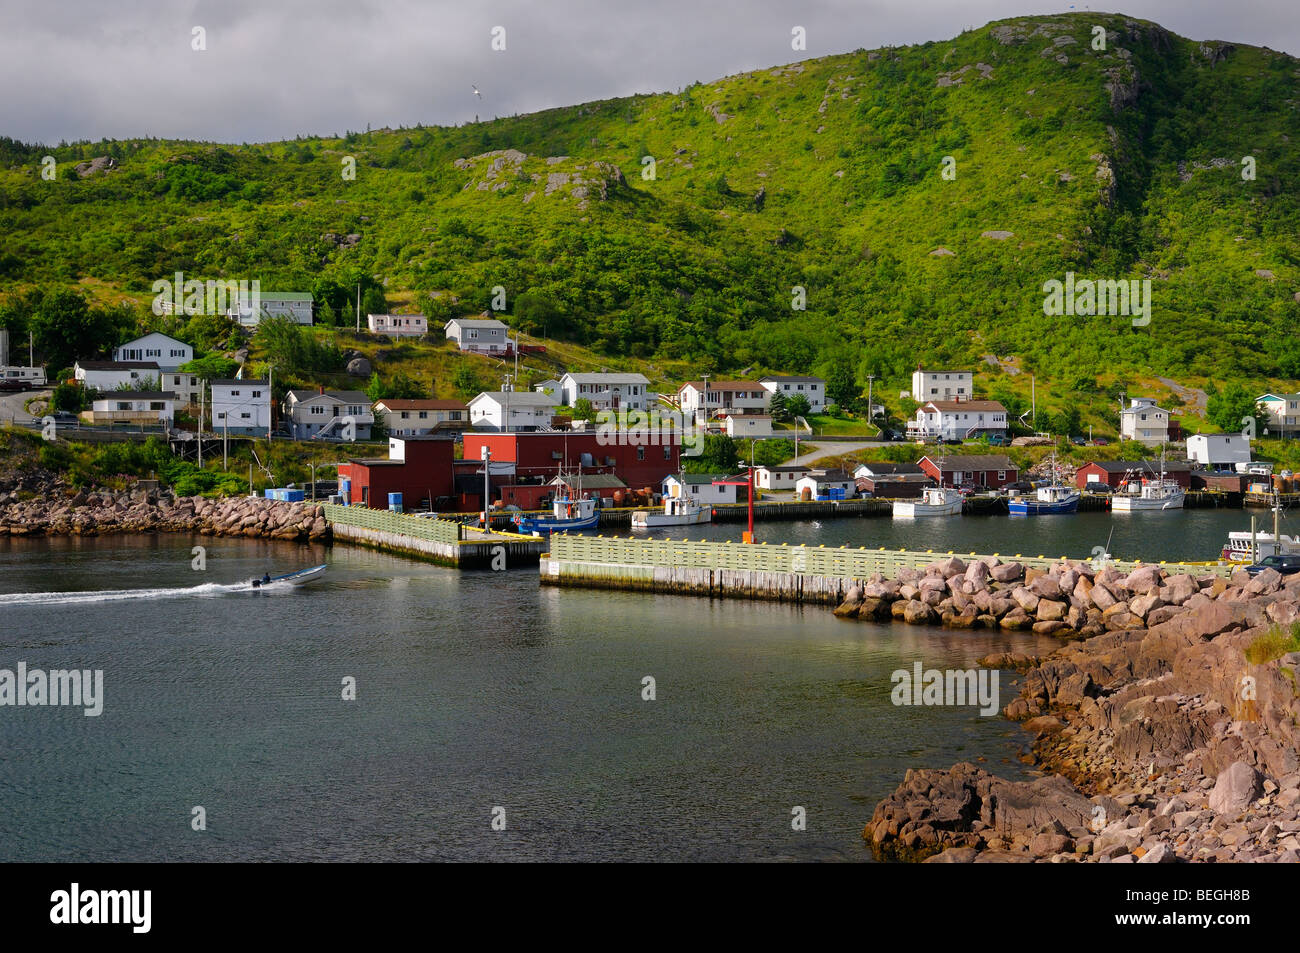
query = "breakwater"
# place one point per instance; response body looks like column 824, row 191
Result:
column 812, row 574
column 446, row 542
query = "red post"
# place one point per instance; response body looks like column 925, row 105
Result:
column 749, row 536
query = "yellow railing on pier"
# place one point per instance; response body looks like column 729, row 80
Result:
column 386, row 521
column 834, row 561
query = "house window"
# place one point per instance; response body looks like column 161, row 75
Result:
column 668, row 453
column 405, row 415
column 257, row 393
column 245, row 416
column 123, row 405
column 318, row 410
column 1002, row 474
column 640, row 453
column 176, row 380
column 424, row 415
column 234, row 393
column 156, row 405
column 473, row 334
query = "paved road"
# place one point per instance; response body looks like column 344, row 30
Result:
column 11, row 406
column 832, row 450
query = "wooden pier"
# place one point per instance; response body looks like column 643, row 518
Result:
column 445, row 542
column 811, row 574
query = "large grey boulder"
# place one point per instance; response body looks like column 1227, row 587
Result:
column 1236, row 787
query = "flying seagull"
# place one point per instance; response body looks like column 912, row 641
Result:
column 476, row 92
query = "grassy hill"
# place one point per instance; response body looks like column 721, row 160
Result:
column 824, row 175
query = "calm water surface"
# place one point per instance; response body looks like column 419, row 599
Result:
column 479, row 690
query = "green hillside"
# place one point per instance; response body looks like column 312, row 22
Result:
column 826, row 174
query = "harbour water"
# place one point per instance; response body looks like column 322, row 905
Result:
column 477, row 691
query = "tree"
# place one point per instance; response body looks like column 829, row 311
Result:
column 211, row 367
column 798, row 406
column 67, row 327
column 841, row 383
column 719, row 455
column 465, row 380
column 1231, row 407
column 779, row 408
column 582, row 410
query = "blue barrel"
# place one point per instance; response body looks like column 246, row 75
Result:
column 395, row 502
column 345, row 490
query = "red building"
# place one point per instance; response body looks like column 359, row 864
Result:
column 1111, row 472
column 419, row 468
column 545, row 455
column 981, row 470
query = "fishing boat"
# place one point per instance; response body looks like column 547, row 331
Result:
column 934, row 501
column 1251, row 546
column 567, row 515
column 677, row 511
column 1141, row 493
column 289, row 578
column 1048, row 500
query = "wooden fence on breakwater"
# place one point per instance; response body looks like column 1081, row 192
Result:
column 446, row 542
column 784, row 573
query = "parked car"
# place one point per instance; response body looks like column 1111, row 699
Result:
column 64, row 417
column 1100, row 442
column 1097, row 488
column 1023, row 486
column 1079, row 441
column 998, row 440
column 1286, row 565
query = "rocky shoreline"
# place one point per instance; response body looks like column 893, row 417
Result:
column 1167, row 725
column 61, row 511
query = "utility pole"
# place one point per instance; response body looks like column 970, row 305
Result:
column 203, row 392
column 485, row 454
column 871, row 415
column 358, row 307
column 270, row 374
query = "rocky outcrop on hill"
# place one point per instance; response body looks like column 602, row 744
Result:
column 104, row 512
column 1173, row 739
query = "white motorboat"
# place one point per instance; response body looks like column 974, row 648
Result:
column 289, row 578
column 1138, row 492
column 677, row 511
column 934, row 501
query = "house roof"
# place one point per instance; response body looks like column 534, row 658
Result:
column 1225, row 436
column 393, row 315
column 479, row 323
column 785, row 468
column 342, row 396
column 149, row 335
column 1151, row 466
column 611, row 378
column 973, row 461
column 236, row 380
column 724, row 385
column 518, row 398
column 830, row 476
column 701, row 479
column 956, row 405
column 136, row 395
column 896, row 478
column 776, row 378
column 415, row 404
column 1142, row 408
column 885, row 467
column 118, row 365
column 288, row 295
column 589, row 481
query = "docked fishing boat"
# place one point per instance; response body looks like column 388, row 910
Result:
column 567, row 516
column 290, row 578
column 677, row 511
column 934, row 501
column 1046, row 501
column 1251, row 546
column 1138, row 492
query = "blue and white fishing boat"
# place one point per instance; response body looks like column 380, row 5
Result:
column 1047, row 500
column 567, row 515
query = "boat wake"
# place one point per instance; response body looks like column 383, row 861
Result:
column 117, row 595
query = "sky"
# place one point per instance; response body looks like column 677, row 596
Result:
column 275, row 69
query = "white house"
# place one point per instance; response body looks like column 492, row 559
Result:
column 249, row 310
column 1218, row 449
column 134, row 407
column 700, row 487
column 1144, row 422
column 549, row 386
column 417, row 418
column 606, row 391
column 779, row 478
column 512, row 411
column 811, row 388
column 958, row 419
column 706, row 399
column 1283, row 413
column 186, row 387
column 480, row 335
column 167, row 352
column 116, row 375
column 398, row 325
column 826, row 485
column 878, row 468
column 327, row 413
column 241, row 407
column 942, row 385
column 749, row 425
